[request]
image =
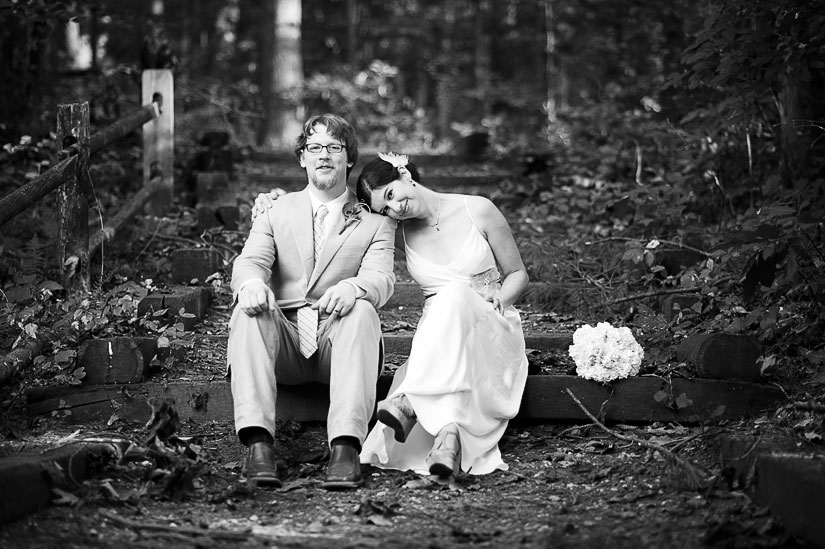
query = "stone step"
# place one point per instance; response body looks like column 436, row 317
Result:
column 400, row 344
column 408, row 294
column 449, row 183
column 423, row 161
column 28, row 478
column 780, row 473
column 629, row 400
column 792, row 486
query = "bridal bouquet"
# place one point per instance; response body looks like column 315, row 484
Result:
column 605, row 353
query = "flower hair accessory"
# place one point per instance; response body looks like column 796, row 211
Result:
column 398, row 161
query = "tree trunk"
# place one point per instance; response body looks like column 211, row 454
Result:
column 795, row 139
column 353, row 23
column 483, row 61
column 287, row 76
column 265, row 71
column 551, row 69
column 445, row 75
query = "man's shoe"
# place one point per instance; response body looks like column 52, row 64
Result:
column 445, row 457
column 344, row 469
column 260, row 465
column 397, row 414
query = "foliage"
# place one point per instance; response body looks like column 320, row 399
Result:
column 747, row 48
column 370, row 98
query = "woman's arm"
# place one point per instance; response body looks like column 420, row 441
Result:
column 496, row 230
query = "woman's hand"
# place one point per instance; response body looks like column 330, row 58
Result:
column 264, row 201
column 498, row 305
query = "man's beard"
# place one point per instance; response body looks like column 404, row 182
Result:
column 327, row 182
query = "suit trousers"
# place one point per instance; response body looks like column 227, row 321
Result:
column 263, row 351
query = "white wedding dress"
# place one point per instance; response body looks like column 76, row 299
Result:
column 467, row 364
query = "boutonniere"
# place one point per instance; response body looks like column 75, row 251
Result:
column 352, row 214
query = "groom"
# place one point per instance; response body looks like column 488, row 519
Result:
column 307, row 285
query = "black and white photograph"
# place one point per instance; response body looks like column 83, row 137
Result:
column 431, row 274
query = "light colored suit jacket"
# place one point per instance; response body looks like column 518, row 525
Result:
column 279, row 251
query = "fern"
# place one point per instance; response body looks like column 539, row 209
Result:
column 34, row 258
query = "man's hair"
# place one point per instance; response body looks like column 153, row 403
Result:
column 338, row 128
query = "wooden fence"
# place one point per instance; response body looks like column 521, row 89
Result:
column 70, row 174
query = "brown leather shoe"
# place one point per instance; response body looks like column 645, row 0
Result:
column 344, row 469
column 260, row 465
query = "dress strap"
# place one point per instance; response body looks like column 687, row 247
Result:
column 469, row 214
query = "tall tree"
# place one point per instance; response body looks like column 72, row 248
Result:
column 283, row 107
column 764, row 59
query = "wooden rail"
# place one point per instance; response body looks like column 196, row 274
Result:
column 70, row 175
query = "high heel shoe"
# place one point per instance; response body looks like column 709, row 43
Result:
column 445, row 457
column 397, row 414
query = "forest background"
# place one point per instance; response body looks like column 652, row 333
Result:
column 630, row 129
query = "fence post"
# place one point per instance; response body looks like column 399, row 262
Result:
column 159, row 137
column 72, row 205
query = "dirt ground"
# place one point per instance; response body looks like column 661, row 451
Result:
column 568, row 486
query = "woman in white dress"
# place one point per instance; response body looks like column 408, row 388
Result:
column 450, row 403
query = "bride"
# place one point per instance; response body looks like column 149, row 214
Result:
column 450, row 403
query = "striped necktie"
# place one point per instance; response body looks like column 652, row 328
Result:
column 307, row 316
column 318, row 235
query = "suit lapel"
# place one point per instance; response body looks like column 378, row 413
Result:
column 300, row 219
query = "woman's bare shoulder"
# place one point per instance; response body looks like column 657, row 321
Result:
column 482, row 208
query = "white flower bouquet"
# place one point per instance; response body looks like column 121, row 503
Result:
column 605, row 353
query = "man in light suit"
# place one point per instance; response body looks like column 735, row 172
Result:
column 312, row 262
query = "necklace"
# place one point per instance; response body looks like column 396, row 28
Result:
column 437, row 217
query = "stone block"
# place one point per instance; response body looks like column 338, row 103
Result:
column 190, row 264
column 792, row 485
column 738, row 454
column 676, row 260
column 722, row 356
column 213, row 188
column 193, row 301
column 228, row 216
column 115, row 360
column 28, row 478
column 672, row 304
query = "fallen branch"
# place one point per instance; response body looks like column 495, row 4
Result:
column 669, row 242
column 126, row 212
column 653, row 294
column 663, row 292
column 691, row 476
column 176, row 530
column 23, row 356
column 809, row 406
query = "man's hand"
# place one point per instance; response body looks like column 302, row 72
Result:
column 255, row 297
column 264, row 201
column 337, row 300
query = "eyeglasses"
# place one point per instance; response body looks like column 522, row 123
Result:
column 332, row 148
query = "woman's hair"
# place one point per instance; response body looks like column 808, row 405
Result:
column 376, row 174
column 338, row 128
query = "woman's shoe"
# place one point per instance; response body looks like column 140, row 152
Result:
column 397, row 414
column 445, row 457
